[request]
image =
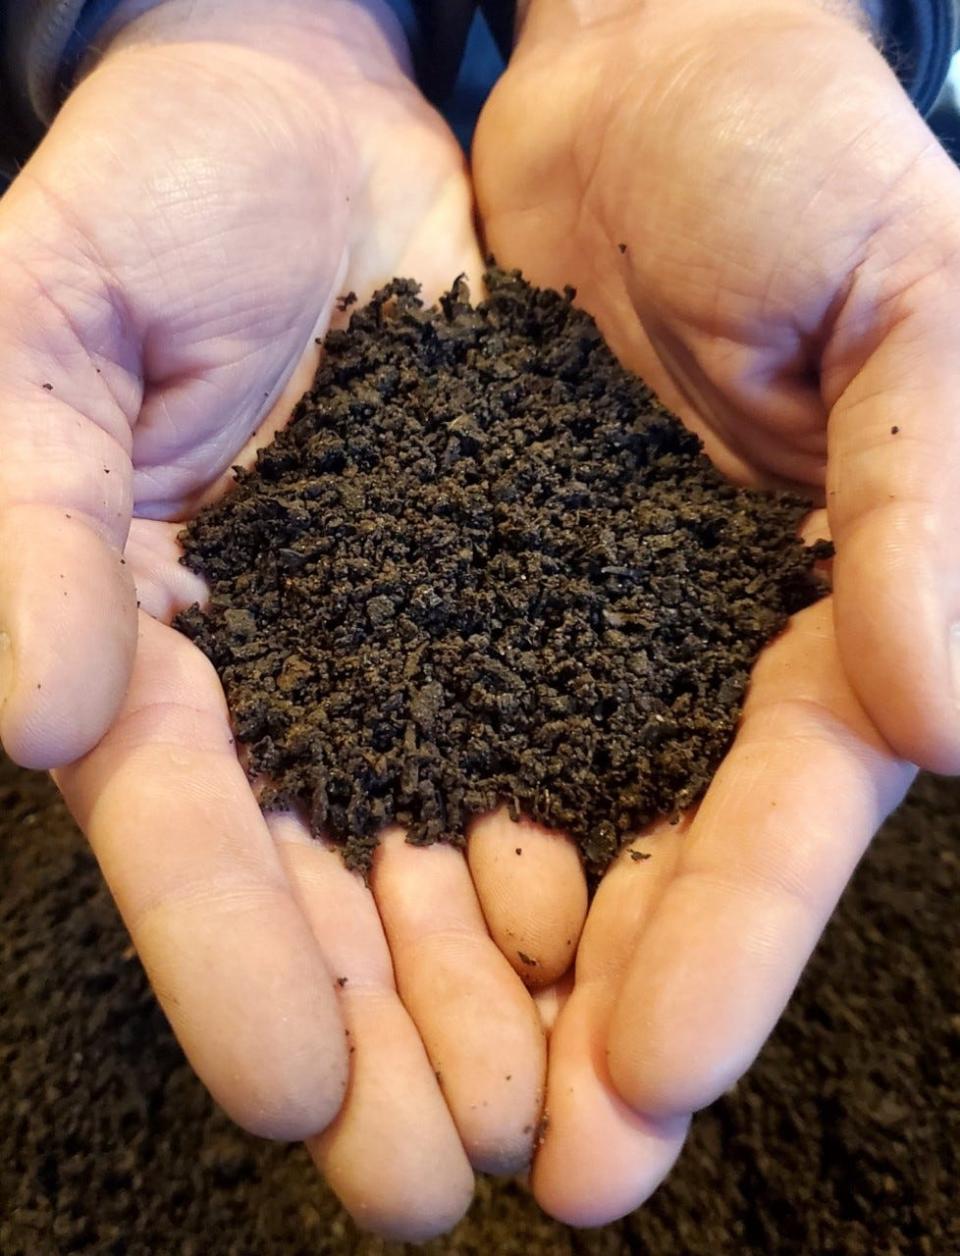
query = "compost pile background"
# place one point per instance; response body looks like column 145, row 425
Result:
column 843, row 1140
column 483, row 564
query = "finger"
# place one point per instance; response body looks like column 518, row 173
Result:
column 67, row 631
column 186, row 853
column 778, row 834
column 393, row 1155
column 625, row 901
column 619, row 909
column 550, row 1000
column 599, row 1159
column 65, row 494
column 816, row 527
column 892, row 379
column 477, row 1022
column 533, row 893
column 164, row 585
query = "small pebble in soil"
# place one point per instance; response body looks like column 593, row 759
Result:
column 484, row 565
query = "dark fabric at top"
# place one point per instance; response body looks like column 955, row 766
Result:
column 445, row 26
column 920, row 38
column 42, row 41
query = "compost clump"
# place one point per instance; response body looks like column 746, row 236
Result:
column 484, row 565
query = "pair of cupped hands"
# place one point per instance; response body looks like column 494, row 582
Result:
column 767, row 232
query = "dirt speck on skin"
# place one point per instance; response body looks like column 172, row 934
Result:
column 484, row 565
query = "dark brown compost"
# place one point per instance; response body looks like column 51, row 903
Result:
column 482, row 565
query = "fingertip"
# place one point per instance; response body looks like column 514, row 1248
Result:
column 70, row 623
column 533, row 893
column 895, row 612
column 257, row 1015
column 588, row 1200
column 393, row 1157
column 493, row 1148
column 703, row 990
column 276, row 1111
column 908, row 680
column 406, row 1225
column 410, row 1211
column 413, row 1214
column 653, row 1085
column 599, row 1159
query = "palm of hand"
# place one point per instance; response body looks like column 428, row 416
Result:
column 630, row 187
column 633, row 191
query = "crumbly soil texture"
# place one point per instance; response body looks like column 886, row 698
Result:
column 484, row 565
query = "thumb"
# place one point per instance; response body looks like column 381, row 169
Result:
column 68, row 389
column 892, row 382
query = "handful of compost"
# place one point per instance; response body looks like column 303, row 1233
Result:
column 483, row 564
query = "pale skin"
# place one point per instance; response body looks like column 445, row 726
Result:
column 788, row 285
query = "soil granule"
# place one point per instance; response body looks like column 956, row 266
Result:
column 843, row 1139
column 481, row 565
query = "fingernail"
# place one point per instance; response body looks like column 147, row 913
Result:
column 6, row 668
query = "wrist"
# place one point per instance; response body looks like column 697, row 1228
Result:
column 338, row 42
column 867, row 15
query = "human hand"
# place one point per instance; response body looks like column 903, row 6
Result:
column 787, row 282
column 169, row 254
